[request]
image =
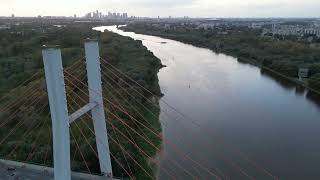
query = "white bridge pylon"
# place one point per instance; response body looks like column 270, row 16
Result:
column 59, row 113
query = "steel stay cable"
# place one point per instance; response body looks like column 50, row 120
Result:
column 21, row 97
column 126, row 129
column 49, row 144
column 26, row 134
column 33, row 76
column 234, row 165
column 144, row 153
column 117, row 139
column 78, row 149
column 237, row 167
column 50, row 135
column 12, row 130
column 135, row 144
column 195, row 123
column 224, row 158
column 216, row 168
column 166, row 113
column 92, row 131
column 148, row 141
column 131, row 106
column 121, row 147
column 148, row 92
column 169, row 159
column 85, row 162
column 118, row 162
column 112, row 125
column 30, row 128
column 134, row 160
column 119, row 119
column 123, row 109
column 30, row 155
column 76, row 63
column 81, row 133
column 135, row 101
column 125, row 152
column 88, row 142
column 21, row 84
column 175, row 147
column 96, row 154
column 185, row 155
column 74, row 155
column 17, row 110
column 25, row 93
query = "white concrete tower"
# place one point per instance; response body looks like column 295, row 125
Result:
column 98, row 115
column 59, row 113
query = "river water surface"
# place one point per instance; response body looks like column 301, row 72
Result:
column 241, row 124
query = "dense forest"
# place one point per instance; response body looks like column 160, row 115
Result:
column 282, row 55
column 20, row 59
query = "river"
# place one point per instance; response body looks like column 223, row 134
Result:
column 242, row 123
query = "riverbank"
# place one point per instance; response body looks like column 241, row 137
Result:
column 247, row 45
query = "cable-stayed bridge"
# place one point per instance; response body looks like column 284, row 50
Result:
column 93, row 119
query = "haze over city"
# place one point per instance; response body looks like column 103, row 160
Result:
column 163, row 8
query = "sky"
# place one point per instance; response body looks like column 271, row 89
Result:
column 165, row 8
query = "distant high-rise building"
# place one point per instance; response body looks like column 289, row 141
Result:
column 89, row 15
column 110, row 15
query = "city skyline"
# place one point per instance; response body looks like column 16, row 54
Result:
column 165, row 8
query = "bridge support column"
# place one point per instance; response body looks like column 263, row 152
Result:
column 59, row 112
column 98, row 115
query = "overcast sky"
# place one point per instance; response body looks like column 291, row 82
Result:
column 154, row 8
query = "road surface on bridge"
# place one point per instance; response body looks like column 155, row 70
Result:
column 11, row 170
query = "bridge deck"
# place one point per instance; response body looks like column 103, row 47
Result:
column 11, row 170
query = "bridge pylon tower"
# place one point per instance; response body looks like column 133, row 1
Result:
column 60, row 117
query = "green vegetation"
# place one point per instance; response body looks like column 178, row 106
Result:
column 20, row 57
column 283, row 56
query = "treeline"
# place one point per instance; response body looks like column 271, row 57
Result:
column 283, row 56
column 20, row 57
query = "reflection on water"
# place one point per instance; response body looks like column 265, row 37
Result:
column 313, row 97
column 289, row 85
column 299, row 90
column 238, row 108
